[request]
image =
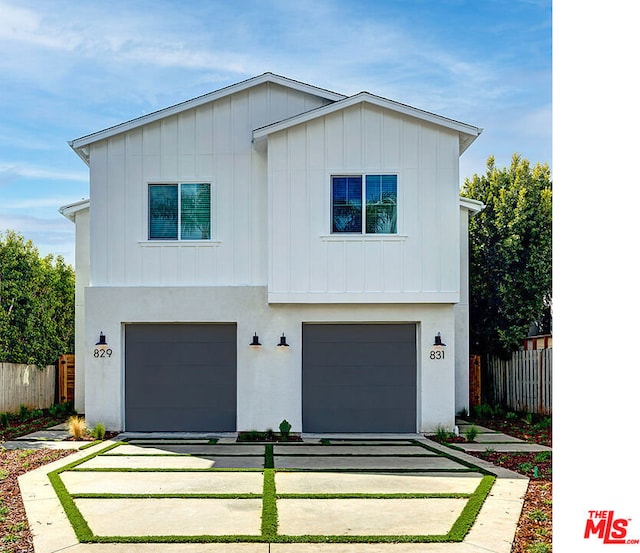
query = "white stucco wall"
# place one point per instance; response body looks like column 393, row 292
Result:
column 461, row 311
column 82, row 281
column 269, row 379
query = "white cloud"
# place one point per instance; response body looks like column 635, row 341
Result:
column 36, row 203
column 11, row 171
column 305, row 40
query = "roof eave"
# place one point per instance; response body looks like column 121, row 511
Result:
column 468, row 133
column 474, row 206
column 82, row 152
column 84, row 141
column 69, row 211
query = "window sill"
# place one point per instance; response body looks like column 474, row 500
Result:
column 178, row 243
column 364, row 237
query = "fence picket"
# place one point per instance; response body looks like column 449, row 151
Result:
column 522, row 383
column 26, row 385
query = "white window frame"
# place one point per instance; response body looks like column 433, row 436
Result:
column 212, row 214
column 363, row 218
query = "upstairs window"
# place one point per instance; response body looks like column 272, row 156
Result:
column 379, row 197
column 180, row 211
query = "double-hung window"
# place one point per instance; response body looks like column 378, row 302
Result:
column 180, row 211
column 368, row 209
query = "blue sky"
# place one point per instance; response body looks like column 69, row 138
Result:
column 70, row 68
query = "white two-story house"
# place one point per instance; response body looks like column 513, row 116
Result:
column 273, row 250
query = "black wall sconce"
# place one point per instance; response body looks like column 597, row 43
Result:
column 283, row 341
column 102, row 349
column 255, row 343
column 102, row 342
column 438, row 341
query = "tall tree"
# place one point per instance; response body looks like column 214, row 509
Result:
column 509, row 255
column 36, row 303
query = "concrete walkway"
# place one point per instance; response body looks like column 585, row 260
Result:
column 350, row 488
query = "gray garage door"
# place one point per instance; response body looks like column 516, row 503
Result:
column 359, row 378
column 180, row 377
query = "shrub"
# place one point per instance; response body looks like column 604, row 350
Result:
column 98, row 431
column 59, row 409
column 23, row 413
column 251, row 436
column 471, row 433
column 538, row 515
column 542, row 456
column 76, row 426
column 285, row 429
column 542, row 424
column 442, row 434
column 526, row 467
column 483, row 411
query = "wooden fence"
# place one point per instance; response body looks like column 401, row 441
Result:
column 66, row 378
column 26, row 385
column 522, row 383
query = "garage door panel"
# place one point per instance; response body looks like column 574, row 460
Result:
column 347, row 354
column 376, row 375
column 387, row 396
column 386, row 420
column 180, row 377
column 359, row 378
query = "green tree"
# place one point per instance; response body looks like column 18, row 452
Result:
column 36, row 303
column 509, row 255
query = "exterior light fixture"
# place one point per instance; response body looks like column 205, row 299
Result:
column 102, row 349
column 255, row 343
column 438, row 341
column 102, row 342
column 283, row 341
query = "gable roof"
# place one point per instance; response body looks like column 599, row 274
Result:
column 468, row 133
column 79, row 144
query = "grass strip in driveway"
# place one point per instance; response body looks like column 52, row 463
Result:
column 457, row 532
column 78, row 522
column 269, row 507
column 268, row 530
column 165, row 495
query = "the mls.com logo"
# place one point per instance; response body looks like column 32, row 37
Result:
column 604, row 526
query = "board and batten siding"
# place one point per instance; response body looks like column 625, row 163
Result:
column 209, row 143
column 309, row 264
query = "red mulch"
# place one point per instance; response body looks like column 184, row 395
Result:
column 535, row 524
column 15, row 536
column 107, row 436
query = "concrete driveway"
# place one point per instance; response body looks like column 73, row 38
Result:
column 333, row 494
